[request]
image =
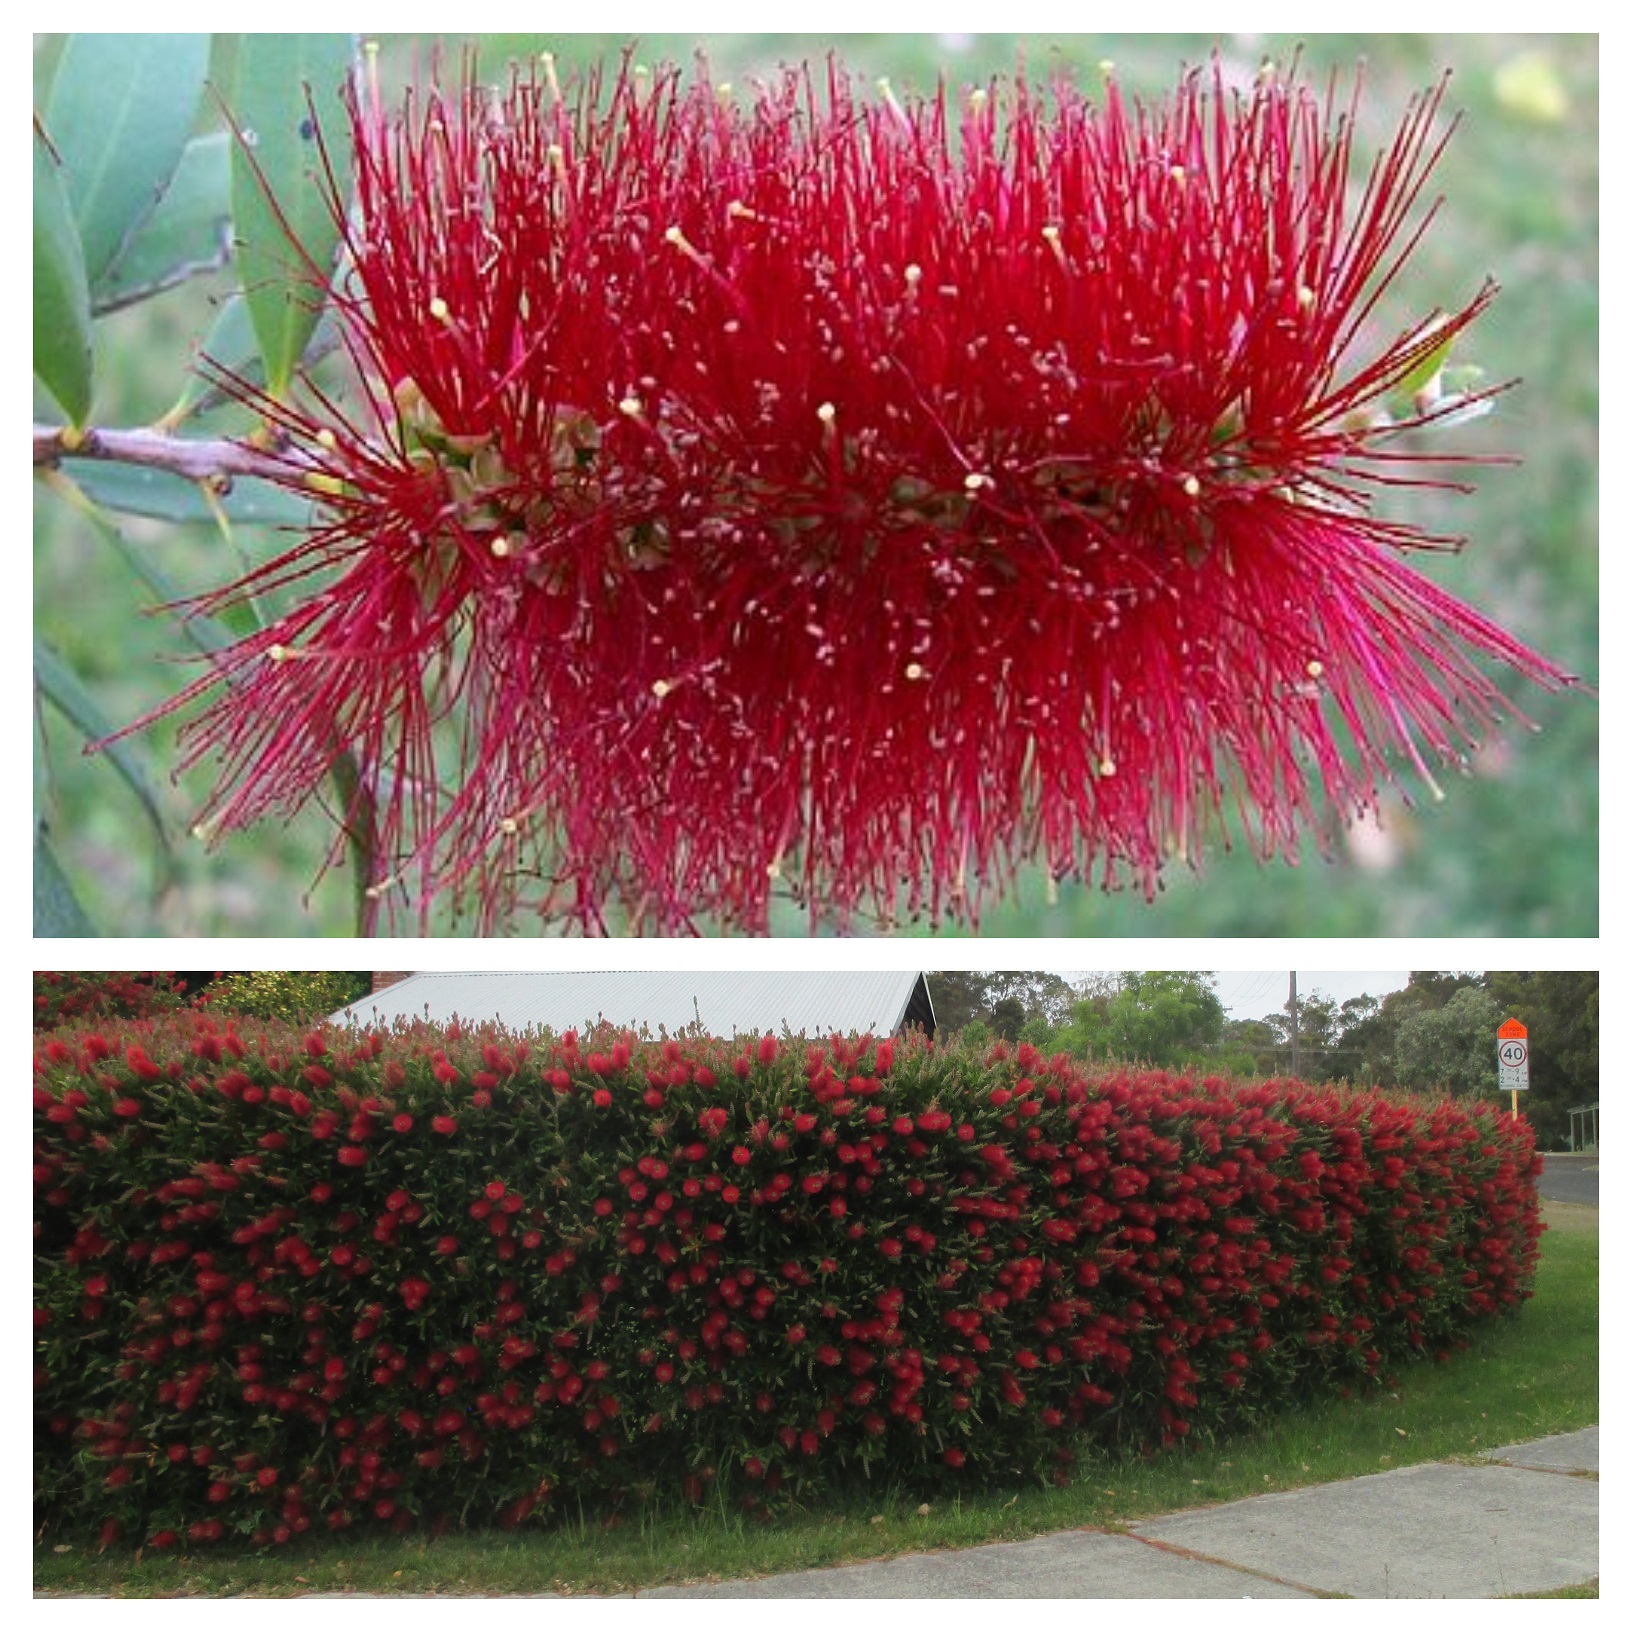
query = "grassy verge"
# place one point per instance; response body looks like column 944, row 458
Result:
column 1526, row 1378
column 1587, row 1589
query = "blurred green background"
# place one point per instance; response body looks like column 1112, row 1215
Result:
column 1512, row 851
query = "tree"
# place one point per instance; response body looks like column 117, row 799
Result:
column 1163, row 1017
column 1452, row 1046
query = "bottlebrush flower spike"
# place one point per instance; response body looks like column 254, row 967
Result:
column 860, row 497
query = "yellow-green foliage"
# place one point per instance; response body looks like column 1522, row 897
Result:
column 286, row 994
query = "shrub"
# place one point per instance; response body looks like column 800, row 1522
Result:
column 64, row 996
column 296, row 995
column 288, row 1281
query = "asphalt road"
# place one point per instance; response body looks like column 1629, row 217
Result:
column 1570, row 1178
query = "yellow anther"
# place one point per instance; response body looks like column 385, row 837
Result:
column 1192, row 487
column 661, row 689
column 975, row 481
column 500, row 545
column 1314, row 668
column 1052, row 233
column 675, row 236
column 325, row 438
column 736, row 210
column 1107, row 67
column 914, row 671
column 630, row 407
column 1306, row 298
column 438, row 308
column 1107, row 766
column 827, row 413
column 914, row 275
column 1177, row 175
column 978, row 100
column 509, row 825
column 277, row 654
column 320, row 481
column 774, row 870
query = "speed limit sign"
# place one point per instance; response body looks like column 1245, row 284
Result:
column 1512, row 1057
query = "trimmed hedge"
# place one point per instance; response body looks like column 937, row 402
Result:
column 286, row 1281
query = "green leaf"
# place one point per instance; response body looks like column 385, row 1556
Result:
column 62, row 302
column 286, row 231
column 58, row 683
column 56, row 908
column 1428, row 367
column 190, row 232
column 120, row 111
column 205, row 634
column 231, row 343
column 165, row 496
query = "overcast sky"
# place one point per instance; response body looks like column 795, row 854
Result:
column 1250, row 996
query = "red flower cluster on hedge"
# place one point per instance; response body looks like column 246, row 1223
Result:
column 844, row 491
column 63, row 996
column 288, row 1282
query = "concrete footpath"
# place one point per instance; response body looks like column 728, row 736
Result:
column 1523, row 1520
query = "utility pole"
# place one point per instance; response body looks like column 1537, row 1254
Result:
column 1292, row 1010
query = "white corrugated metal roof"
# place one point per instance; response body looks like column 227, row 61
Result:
column 727, row 1003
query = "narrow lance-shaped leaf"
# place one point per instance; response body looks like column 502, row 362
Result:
column 121, row 109
column 165, row 496
column 62, row 304
column 58, row 682
column 190, row 232
column 56, row 908
column 282, row 219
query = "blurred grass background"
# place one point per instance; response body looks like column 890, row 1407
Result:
column 1512, row 851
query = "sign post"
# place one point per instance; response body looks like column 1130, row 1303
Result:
column 1513, row 1059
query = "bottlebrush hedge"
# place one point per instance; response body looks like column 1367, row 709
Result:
column 446, row 1276
column 62, row 996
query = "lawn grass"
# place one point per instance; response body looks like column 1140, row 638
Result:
column 1522, row 1379
column 1587, row 1589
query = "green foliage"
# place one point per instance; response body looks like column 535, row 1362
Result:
column 1162, row 1017
column 297, row 996
column 1451, row 1047
column 284, row 84
column 62, row 302
column 120, row 110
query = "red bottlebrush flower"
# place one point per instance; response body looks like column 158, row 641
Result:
column 351, row 1155
column 127, row 1108
column 403, row 1123
column 860, row 492
column 444, row 1125
column 953, row 1457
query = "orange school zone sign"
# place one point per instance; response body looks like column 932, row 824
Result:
column 1513, row 1059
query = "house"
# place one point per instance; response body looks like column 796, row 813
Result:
column 725, row 1003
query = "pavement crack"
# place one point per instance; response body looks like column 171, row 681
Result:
column 1230, row 1564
